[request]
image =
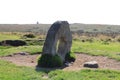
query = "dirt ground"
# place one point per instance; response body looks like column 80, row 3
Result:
column 31, row 61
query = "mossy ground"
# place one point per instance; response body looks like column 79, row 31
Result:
column 50, row 61
column 70, row 57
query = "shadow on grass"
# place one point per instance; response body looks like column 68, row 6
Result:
column 47, row 70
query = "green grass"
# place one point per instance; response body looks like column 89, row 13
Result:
column 95, row 48
column 85, row 75
column 8, row 37
column 9, row 71
column 112, row 50
column 32, row 48
column 10, row 50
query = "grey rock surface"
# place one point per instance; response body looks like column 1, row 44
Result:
column 91, row 64
column 58, row 39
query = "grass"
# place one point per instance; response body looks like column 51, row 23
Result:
column 8, row 37
column 33, row 46
column 9, row 71
column 10, row 50
column 85, row 75
column 97, row 48
column 18, row 36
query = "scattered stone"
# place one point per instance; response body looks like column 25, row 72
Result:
column 68, row 64
column 23, row 53
column 32, row 61
column 91, row 64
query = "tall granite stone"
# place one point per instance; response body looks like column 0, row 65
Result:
column 58, row 39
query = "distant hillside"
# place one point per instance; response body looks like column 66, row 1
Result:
column 24, row 27
column 44, row 28
column 95, row 28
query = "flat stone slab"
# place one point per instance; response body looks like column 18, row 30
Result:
column 91, row 64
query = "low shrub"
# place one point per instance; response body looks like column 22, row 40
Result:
column 13, row 43
column 70, row 57
column 83, row 40
column 118, row 39
column 105, row 42
column 35, row 42
column 29, row 35
column 50, row 61
column 90, row 40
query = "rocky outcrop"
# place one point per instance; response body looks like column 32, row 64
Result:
column 58, row 39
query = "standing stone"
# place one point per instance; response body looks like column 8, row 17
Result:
column 58, row 40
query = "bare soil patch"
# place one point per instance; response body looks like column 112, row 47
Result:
column 22, row 60
column 31, row 61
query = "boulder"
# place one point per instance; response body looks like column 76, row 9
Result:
column 58, row 39
column 91, row 64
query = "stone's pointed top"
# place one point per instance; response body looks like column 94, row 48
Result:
column 61, row 22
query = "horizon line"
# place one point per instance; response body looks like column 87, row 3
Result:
column 53, row 22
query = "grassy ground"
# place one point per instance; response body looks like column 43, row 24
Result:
column 85, row 75
column 33, row 45
column 11, row 50
column 5, row 36
column 9, row 71
column 98, row 48
column 93, row 48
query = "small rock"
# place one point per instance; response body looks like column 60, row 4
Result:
column 68, row 64
column 32, row 61
column 45, row 76
column 9, row 55
column 91, row 64
column 23, row 53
